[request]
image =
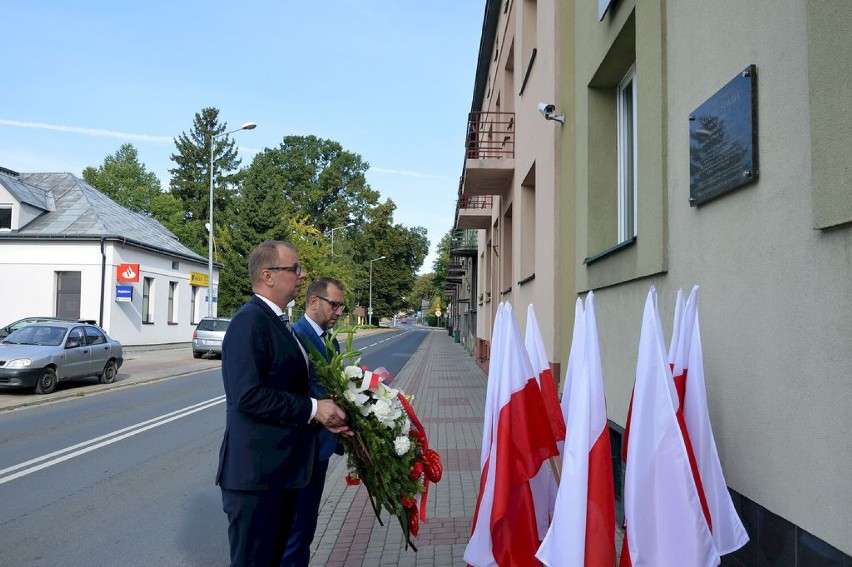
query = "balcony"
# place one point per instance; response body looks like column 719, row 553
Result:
column 463, row 243
column 474, row 211
column 490, row 158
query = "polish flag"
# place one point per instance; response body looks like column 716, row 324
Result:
column 662, row 509
column 575, row 362
column 694, row 417
column 519, row 440
column 583, row 527
column 544, row 484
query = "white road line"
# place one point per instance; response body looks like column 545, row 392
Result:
column 395, row 336
column 67, row 453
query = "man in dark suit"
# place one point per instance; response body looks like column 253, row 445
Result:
column 270, row 442
column 323, row 305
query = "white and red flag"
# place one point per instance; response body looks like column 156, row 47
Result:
column 544, row 484
column 665, row 525
column 583, row 527
column 688, row 370
column 575, row 362
column 519, row 440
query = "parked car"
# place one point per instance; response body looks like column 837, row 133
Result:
column 208, row 335
column 40, row 355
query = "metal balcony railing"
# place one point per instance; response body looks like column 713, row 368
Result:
column 469, row 202
column 463, row 241
column 491, row 135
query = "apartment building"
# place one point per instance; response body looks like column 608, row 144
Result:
column 703, row 143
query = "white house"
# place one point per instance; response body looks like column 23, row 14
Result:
column 67, row 250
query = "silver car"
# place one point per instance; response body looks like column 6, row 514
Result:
column 208, row 335
column 41, row 354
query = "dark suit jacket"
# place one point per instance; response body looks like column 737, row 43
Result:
column 328, row 443
column 268, row 443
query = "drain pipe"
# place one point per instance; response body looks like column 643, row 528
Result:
column 103, row 282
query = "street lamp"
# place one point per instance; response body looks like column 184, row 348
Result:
column 370, row 307
column 332, row 234
column 246, row 126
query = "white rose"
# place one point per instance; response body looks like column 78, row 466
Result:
column 356, row 397
column 386, row 413
column 386, row 392
column 401, row 445
column 352, row 372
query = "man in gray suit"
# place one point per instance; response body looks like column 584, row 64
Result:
column 269, row 448
column 324, row 304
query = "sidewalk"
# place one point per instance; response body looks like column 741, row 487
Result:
column 449, row 397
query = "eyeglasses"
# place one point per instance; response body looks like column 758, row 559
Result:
column 295, row 268
column 334, row 304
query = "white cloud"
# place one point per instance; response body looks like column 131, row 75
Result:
column 407, row 173
column 100, row 133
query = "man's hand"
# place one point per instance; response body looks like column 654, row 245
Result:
column 333, row 418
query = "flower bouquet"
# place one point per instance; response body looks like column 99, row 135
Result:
column 389, row 452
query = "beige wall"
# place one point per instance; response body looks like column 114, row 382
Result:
column 532, row 249
column 776, row 295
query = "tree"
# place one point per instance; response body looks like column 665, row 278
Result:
column 190, row 182
column 319, row 180
column 442, row 260
column 404, row 250
column 297, row 192
column 124, row 180
column 422, row 290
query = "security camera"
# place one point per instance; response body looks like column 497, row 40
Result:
column 547, row 111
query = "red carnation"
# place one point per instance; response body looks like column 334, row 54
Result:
column 434, row 469
column 408, row 501
column 352, row 480
column 414, row 524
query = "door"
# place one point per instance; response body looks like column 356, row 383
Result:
column 77, row 355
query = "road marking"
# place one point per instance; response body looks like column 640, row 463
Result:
column 395, row 336
column 67, row 453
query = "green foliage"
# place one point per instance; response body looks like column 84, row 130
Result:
column 404, row 250
column 318, row 180
column 124, row 180
column 190, row 182
column 424, row 290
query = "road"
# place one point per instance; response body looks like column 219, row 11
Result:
column 127, row 477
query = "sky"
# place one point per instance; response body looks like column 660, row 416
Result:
column 390, row 80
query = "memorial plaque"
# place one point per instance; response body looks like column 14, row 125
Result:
column 723, row 140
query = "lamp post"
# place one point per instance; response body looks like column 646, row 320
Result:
column 246, row 126
column 332, row 234
column 370, row 307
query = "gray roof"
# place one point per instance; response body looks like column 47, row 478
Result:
column 73, row 209
column 26, row 193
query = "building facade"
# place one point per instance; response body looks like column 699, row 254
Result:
column 704, row 143
column 67, row 250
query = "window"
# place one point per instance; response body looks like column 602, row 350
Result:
column 528, row 225
column 94, row 336
column 5, row 217
column 147, row 285
column 172, row 310
column 505, row 252
column 626, row 124
column 193, row 316
column 76, row 338
column 68, row 295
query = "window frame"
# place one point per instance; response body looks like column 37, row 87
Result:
column 626, row 111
